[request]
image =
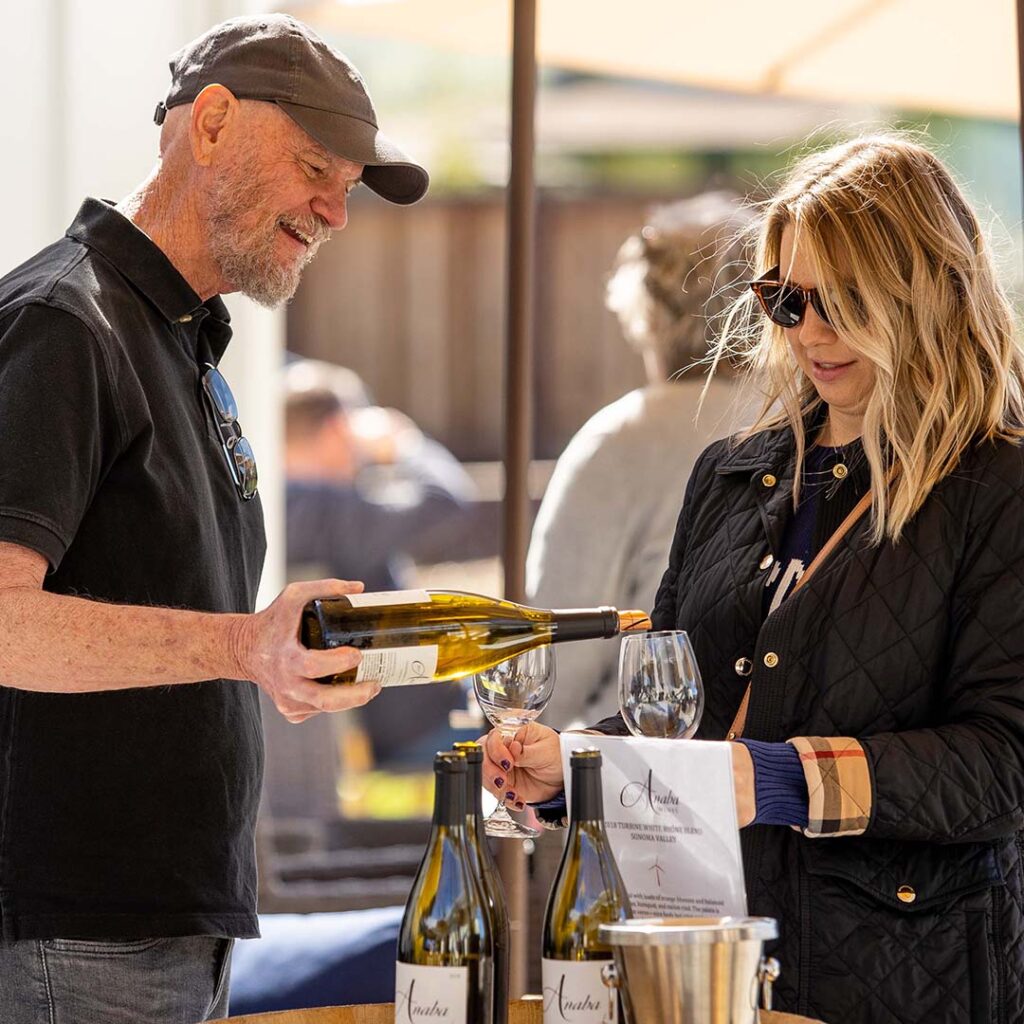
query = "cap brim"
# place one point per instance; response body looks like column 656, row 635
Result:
column 387, row 170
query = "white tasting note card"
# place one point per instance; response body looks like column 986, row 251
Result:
column 670, row 814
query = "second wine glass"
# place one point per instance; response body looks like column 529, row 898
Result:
column 660, row 689
column 512, row 694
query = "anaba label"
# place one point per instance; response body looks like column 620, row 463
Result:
column 424, row 995
column 575, row 994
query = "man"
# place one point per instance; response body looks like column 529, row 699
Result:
column 131, row 539
column 364, row 485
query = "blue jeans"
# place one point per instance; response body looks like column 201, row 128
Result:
column 79, row 981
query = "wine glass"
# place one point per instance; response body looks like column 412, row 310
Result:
column 660, row 690
column 512, row 694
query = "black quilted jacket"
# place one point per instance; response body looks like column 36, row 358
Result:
column 917, row 651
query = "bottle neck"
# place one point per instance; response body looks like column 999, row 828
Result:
column 583, row 624
column 450, row 799
column 587, row 799
column 474, row 798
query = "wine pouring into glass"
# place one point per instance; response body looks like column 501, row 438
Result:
column 511, row 694
column 660, row 689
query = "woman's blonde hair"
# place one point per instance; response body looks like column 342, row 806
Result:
column 909, row 285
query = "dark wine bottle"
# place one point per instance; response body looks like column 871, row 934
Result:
column 423, row 636
column 487, row 870
column 587, row 892
column 445, row 961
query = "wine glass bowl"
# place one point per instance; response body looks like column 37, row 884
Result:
column 512, row 694
column 660, row 689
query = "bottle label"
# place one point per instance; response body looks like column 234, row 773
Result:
column 398, row 666
column 383, row 597
column 430, row 994
column 575, row 994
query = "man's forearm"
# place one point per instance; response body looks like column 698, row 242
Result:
column 55, row 643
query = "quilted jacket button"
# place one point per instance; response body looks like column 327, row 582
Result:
column 905, row 894
column 839, row 471
column 769, row 480
column 766, row 563
column 771, row 659
column 744, row 666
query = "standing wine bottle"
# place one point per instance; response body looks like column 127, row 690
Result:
column 423, row 636
column 587, row 892
column 445, row 945
column 494, row 891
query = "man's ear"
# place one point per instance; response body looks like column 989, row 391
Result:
column 214, row 110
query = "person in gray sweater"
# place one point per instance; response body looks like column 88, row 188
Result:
column 605, row 525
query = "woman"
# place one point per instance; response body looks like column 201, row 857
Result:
column 886, row 695
column 669, row 288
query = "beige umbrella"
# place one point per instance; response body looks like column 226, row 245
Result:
column 940, row 55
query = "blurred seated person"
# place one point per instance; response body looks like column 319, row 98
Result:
column 363, row 486
column 605, row 526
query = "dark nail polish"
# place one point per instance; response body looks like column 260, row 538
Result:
column 510, row 795
column 499, row 782
column 506, row 765
column 520, row 805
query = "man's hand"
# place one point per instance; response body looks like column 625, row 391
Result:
column 527, row 770
column 269, row 652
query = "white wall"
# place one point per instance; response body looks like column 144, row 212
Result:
column 80, row 80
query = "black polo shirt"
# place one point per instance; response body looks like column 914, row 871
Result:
column 129, row 813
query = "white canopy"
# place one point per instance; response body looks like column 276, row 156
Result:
column 940, row 55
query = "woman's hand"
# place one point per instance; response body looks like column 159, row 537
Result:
column 743, row 782
column 526, row 770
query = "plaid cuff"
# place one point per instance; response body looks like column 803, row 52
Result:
column 838, row 784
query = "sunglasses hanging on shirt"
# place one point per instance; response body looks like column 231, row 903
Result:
column 237, row 450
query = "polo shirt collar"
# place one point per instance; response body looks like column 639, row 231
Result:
column 138, row 258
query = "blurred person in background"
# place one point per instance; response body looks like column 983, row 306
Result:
column 364, row 485
column 132, row 538
column 605, row 525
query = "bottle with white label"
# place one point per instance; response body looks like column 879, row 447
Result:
column 445, row 946
column 423, row 636
column 587, row 892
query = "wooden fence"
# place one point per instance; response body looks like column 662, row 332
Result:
column 413, row 300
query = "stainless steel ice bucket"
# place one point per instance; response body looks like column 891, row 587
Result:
column 691, row 970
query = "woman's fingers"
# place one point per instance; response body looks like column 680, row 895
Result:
column 497, row 765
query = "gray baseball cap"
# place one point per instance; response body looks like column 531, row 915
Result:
column 275, row 58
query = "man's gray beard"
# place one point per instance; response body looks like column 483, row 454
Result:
column 247, row 257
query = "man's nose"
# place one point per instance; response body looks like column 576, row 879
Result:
column 332, row 208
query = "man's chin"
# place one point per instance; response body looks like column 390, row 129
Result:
column 270, row 295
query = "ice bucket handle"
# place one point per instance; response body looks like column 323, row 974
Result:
column 610, row 976
column 767, row 974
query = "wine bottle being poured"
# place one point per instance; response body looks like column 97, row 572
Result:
column 423, row 636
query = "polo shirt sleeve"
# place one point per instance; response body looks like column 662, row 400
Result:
column 60, row 429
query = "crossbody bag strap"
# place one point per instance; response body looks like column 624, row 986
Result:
column 828, row 547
